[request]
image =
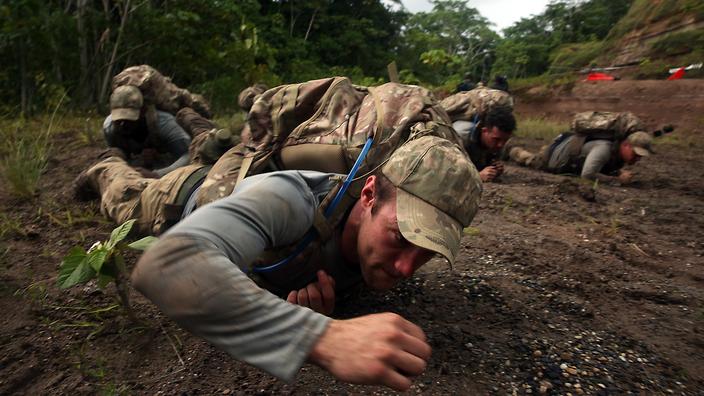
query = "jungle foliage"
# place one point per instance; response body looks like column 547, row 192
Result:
column 68, row 50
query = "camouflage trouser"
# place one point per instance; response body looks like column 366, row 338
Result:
column 125, row 194
column 160, row 91
column 222, row 177
column 203, row 149
column 200, row 129
column 524, row 157
column 192, row 122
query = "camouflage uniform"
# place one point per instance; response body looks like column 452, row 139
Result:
column 471, row 105
column 569, row 151
column 159, row 92
column 320, row 125
column 125, row 194
column 209, row 142
column 200, row 273
column 125, row 128
column 466, row 110
column 192, row 111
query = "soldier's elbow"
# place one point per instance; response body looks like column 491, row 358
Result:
column 143, row 273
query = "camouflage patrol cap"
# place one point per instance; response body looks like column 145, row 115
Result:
column 437, row 193
column 125, row 103
column 640, row 141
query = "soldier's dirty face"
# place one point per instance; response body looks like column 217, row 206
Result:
column 494, row 139
column 385, row 255
column 628, row 155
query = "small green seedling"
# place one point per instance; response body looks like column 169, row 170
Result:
column 105, row 262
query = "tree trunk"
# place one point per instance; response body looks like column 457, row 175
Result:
column 111, row 63
column 290, row 19
column 310, row 24
column 24, row 89
column 83, row 50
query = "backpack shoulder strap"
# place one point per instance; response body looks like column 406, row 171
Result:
column 325, row 226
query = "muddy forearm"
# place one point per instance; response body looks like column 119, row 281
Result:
column 197, row 286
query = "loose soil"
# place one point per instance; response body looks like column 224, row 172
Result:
column 562, row 287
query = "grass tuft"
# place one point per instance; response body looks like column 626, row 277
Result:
column 9, row 227
column 25, row 153
column 540, row 128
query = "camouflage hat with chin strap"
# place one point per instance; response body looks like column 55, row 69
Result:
column 437, row 193
column 640, row 141
column 125, row 103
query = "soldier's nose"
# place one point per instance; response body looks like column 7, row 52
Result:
column 408, row 262
column 404, row 266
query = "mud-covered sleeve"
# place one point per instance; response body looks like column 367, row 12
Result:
column 194, row 276
column 176, row 140
column 598, row 155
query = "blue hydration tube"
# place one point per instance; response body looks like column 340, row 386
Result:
column 328, row 211
column 474, row 124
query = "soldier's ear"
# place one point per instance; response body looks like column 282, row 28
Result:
column 368, row 194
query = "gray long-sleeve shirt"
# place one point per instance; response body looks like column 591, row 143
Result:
column 174, row 139
column 197, row 273
column 593, row 158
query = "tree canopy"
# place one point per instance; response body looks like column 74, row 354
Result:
column 68, row 50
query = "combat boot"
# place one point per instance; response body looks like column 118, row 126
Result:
column 82, row 187
column 217, row 144
column 521, row 156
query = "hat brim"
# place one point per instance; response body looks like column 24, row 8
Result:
column 643, row 152
column 124, row 113
column 426, row 226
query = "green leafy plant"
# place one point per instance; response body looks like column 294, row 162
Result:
column 105, row 262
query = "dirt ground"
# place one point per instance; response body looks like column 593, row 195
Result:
column 554, row 293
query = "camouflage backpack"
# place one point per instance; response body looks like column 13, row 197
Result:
column 606, row 125
column 472, row 105
column 159, row 92
column 322, row 125
column 593, row 125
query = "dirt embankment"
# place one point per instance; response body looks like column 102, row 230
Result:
column 552, row 294
column 679, row 102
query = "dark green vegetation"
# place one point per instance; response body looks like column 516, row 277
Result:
column 54, row 48
column 67, row 51
column 644, row 13
column 680, row 42
column 529, row 43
